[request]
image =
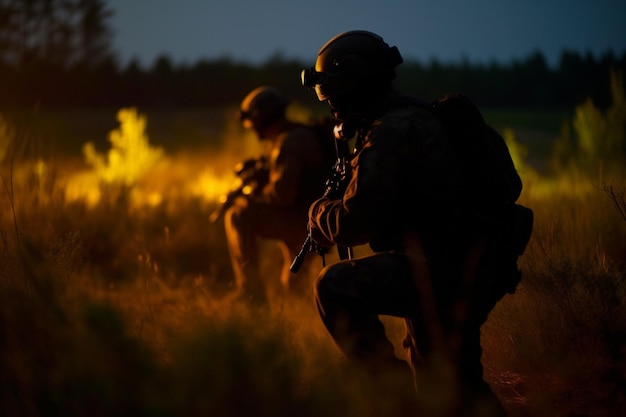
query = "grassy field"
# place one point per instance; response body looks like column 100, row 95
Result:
column 115, row 289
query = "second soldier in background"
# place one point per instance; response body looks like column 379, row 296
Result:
column 298, row 161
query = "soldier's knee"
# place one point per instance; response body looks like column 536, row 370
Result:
column 320, row 285
column 333, row 280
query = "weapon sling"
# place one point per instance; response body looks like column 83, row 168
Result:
column 333, row 185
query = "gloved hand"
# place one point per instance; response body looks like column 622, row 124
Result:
column 315, row 218
column 318, row 238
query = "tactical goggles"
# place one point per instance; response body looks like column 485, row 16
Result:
column 326, row 84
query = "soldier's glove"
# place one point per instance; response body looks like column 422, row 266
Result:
column 317, row 242
column 316, row 234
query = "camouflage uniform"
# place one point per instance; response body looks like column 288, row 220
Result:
column 298, row 167
column 407, row 198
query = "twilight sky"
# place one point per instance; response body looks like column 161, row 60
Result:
column 253, row 31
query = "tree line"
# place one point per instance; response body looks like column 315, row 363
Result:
column 58, row 53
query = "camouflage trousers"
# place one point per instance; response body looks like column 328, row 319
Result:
column 443, row 317
column 246, row 225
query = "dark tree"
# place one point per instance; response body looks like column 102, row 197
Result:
column 45, row 44
column 56, row 32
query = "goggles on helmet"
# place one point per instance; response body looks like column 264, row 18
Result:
column 328, row 84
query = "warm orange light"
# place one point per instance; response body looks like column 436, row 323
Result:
column 130, row 157
column 247, row 190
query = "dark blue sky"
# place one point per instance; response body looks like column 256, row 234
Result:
column 448, row 30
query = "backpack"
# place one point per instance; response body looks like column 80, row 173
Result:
column 485, row 157
column 491, row 173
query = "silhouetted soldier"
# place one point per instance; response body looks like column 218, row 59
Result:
column 298, row 161
column 441, row 259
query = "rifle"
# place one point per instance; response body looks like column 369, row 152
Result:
column 252, row 174
column 335, row 187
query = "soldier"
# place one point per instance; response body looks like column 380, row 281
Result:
column 298, row 162
column 435, row 247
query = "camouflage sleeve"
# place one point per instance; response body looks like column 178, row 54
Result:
column 371, row 193
column 287, row 164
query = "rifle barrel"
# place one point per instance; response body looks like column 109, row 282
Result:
column 299, row 259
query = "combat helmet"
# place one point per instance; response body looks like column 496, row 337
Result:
column 351, row 63
column 261, row 107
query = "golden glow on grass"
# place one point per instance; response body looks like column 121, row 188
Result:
column 83, row 187
column 565, row 185
column 133, row 162
column 121, row 281
column 211, row 187
column 152, row 175
column 130, row 157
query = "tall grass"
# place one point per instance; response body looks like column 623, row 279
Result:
column 115, row 297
